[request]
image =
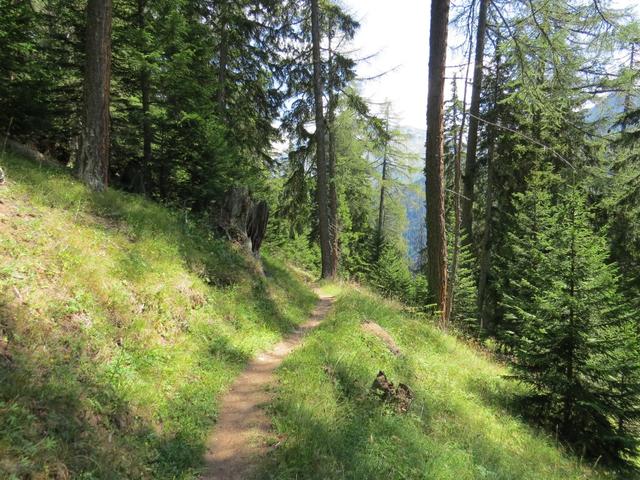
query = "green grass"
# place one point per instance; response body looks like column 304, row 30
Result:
column 460, row 425
column 120, row 324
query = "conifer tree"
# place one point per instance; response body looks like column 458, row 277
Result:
column 573, row 341
column 464, row 310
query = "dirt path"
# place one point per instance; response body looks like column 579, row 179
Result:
column 237, row 442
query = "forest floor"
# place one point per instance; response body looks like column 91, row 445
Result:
column 463, row 423
column 241, row 432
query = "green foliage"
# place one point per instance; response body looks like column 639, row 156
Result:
column 571, row 330
column 390, row 274
column 619, row 182
column 194, row 82
column 464, row 313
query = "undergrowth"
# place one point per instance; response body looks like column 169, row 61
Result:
column 120, row 323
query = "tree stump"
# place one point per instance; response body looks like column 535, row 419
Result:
column 243, row 220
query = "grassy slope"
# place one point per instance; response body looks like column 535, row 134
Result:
column 120, row 323
column 459, row 426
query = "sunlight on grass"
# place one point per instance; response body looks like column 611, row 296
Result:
column 460, row 425
column 120, row 323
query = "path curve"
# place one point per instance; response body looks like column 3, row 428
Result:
column 237, row 442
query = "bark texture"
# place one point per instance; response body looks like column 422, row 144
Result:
column 334, row 227
column 469, row 178
column 434, row 168
column 94, row 155
column 243, row 220
column 456, row 202
column 485, row 247
column 486, row 322
column 322, row 190
column 381, row 211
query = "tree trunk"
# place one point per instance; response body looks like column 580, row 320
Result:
column 145, row 88
column 223, row 52
column 94, row 157
column 486, row 322
column 328, row 265
column 334, row 230
column 485, row 246
column 453, row 277
column 434, row 167
column 627, row 97
column 469, row 178
column 380, row 232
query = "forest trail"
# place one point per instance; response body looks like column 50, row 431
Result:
column 237, row 442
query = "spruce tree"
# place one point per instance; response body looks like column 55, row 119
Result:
column 574, row 343
column 464, row 311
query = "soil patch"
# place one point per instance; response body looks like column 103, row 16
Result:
column 238, row 440
column 382, row 334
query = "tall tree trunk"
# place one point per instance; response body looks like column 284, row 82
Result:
column 334, row 230
column 627, row 97
column 223, row 52
column 453, row 277
column 434, row 167
column 385, row 159
column 94, row 157
column 470, row 167
column 328, row 265
column 145, row 88
column 486, row 321
column 485, row 246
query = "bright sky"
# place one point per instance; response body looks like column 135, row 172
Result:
column 398, row 31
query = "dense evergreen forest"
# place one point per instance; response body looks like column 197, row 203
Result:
column 247, row 118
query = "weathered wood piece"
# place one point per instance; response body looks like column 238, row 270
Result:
column 243, row 220
column 400, row 396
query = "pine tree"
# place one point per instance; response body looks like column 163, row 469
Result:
column 525, row 262
column 464, row 311
column 390, row 273
column 574, row 343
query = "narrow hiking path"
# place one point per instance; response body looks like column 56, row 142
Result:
column 237, row 442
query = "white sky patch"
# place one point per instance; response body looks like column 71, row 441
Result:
column 399, row 32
